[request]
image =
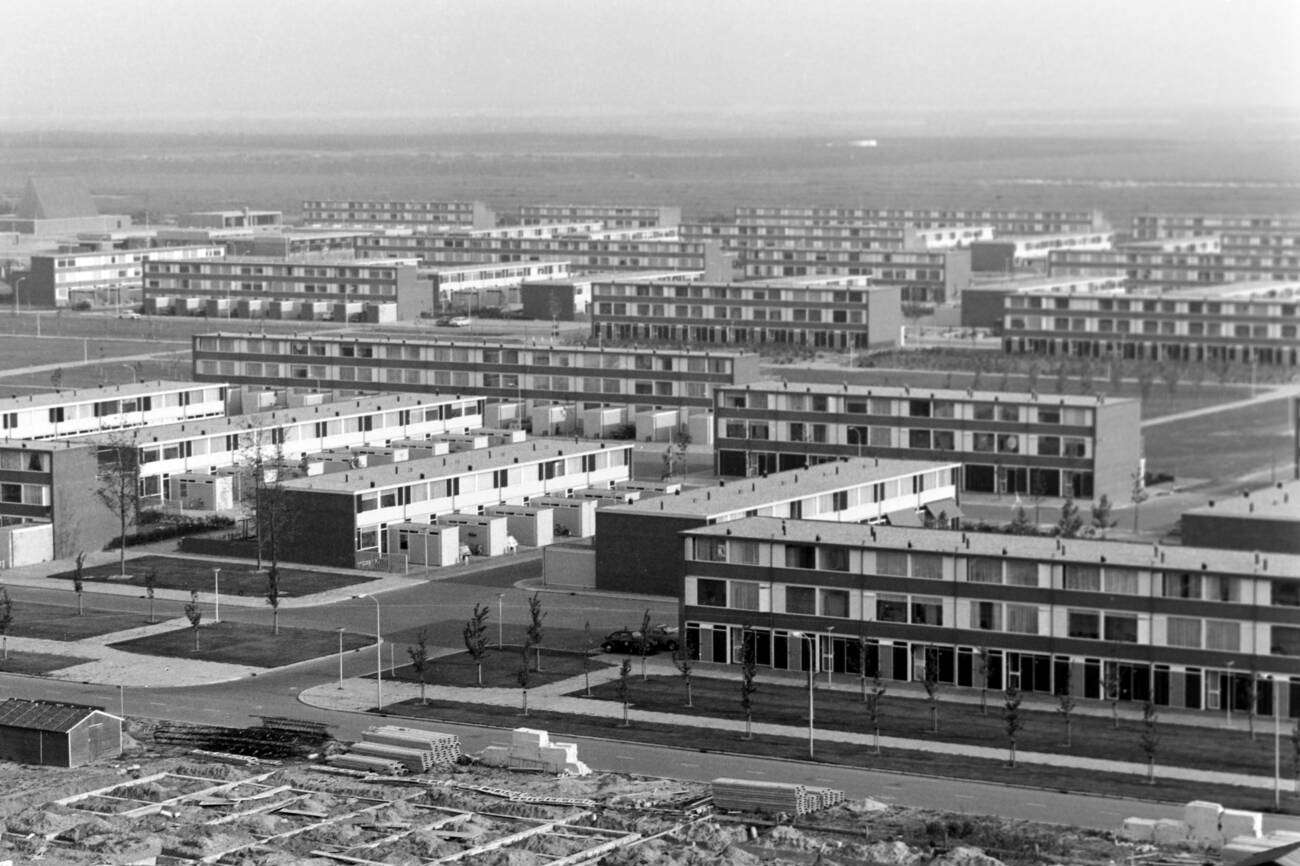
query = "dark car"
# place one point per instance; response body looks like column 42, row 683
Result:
column 628, row 641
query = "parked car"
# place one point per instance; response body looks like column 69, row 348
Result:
column 129, row 314
column 628, row 641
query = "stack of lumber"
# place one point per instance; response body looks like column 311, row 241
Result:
column 745, row 795
column 442, row 748
column 415, row 760
column 531, row 749
column 368, row 763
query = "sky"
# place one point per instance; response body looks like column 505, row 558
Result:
column 67, row 61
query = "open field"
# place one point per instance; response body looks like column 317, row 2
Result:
column 59, row 622
column 238, row 577
column 243, row 643
column 36, row 664
column 1224, row 445
column 499, row 668
column 31, row 351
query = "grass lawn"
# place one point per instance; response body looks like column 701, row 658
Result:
column 59, row 622
column 238, row 577
column 36, row 664
column 796, row 748
column 499, row 668
column 1044, row 731
column 245, row 644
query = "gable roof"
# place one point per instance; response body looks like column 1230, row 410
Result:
column 55, row 198
column 44, row 715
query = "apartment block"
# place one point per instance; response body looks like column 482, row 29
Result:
column 351, row 511
column 1150, row 226
column 1029, row 252
column 206, row 446
column 266, row 287
column 1267, row 519
column 839, row 236
column 1183, row 627
column 472, row 287
column 101, row 277
column 1004, row 222
column 296, row 243
column 51, row 484
column 613, row 216
column 1166, row 270
column 113, row 407
column 579, row 376
column 231, row 219
column 823, row 312
column 564, row 299
column 417, row 214
column 1238, row 322
column 922, row 277
column 983, row 303
column 1008, row 442
column 638, row 547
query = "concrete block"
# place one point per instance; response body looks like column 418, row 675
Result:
column 1139, row 829
column 528, row 737
column 1238, row 822
column 1170, row 831
column 494, row 756
column 1202, row 820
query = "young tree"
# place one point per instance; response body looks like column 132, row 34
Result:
column 625, row 687
column 1146, row 378
column 1070, row 521
column 1149, row 739
column 1065, row 705
column 78, row 580
column 56, row 378
column 1110, row 690
column 1086, row 376
column 1101, row 510
column 1295, row 755
column 1171, row 373
column 534, row 636
column 6, row 618
column 1062, row 378
column 150, row 589
column 748, row 673
column 931, row 683
column 523, row 675
column 682, row 659
column 1037, row 493
column 875, row 708
column 982, row 669
column 118, row 485
column 1012, row 722
column 475, row 637
column 863, row 657
column 588, row 644
column 1116, row 375
column 1020, row 524
column 1252, row 700
column 1034, row 373
column 1137, row 495
column 195, row 615
column 420, row 658
column 273, row 595
column 643, row 643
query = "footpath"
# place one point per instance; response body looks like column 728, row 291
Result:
column 357, row 695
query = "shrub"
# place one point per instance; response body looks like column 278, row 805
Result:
column 162, row 526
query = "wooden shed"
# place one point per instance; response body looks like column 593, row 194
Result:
column 57, row 735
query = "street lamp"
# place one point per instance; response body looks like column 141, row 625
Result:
column 500, row 611
column 379, row 655
column 216, row 595
column 1277, row 740
column 1230, row 694
column 18, row 282
column 812, row 667
column 341, row 656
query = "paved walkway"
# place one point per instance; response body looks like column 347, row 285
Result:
column 358, row 695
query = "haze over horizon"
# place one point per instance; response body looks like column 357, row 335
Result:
column 425, row 59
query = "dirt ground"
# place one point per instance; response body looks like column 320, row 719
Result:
column 163, row 802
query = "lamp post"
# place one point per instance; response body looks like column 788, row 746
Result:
column 1277, row 740
column 18, row 282
column 379, row 654
column 501, row 596
column 812, row 667
column 216, row 595
column 1229, row 695
column 341, row 657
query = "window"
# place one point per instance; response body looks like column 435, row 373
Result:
column 711, row 593
column 891, row 608
column 800, row 556
column 983, row 412
column 1022, row 618
column 1122, row 581
column 985, row 569
column 1181, row 585
column 1120, row 627
column 891, row 562
column 986, row 615
column 918, row 439
column 835, row 558
column 800, row 599
column 1083, row 623
column 927, row 611
column 11, row 493
column 835, row 602
column 1083, row 578
column 744, row 552
column 744, row 595
column 711, row 550
column 1286, row 641
column 927, row 565
column 983, row 442
column 1021, row 572
column 1183, row 631
column 1221, row 635
column 1286, row 592
column 1049, row 446
column 1219, row 587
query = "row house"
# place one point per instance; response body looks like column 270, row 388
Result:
column 1004, row 222
column 56, row 414
column 417, row 214
column 922, row 277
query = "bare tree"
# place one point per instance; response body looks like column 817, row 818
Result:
column 625, row 687
column 273, row 595
column 1146, row 378
column 748, row 674
column 1065, row 705
column 523, row 675
column 588, row 644
column 982, row 663
column 1012, row 722
column 78, row 580
column 1252, row 700
column 931, row 683
column 1062, row 378
column 476, row 640
column 1149, row 739
column 420, row 658
column 1172, row 374
column 682, row 659
column 1110, row 690
column 6, row 619
column 118, row 485
column 150, row 589
column 875, row 707
column 643, row 642
column 1137, row 495
column 863, row 658
column 534, row 636
column 195, row 615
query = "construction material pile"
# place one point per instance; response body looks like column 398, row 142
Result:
column 275, row 738
column 745, row 795
column 393, row 750
column 532, row 749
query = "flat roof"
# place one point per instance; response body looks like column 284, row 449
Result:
column 483, row 266
column 445, row 465
column 232, row 212
column 18, row 402
column 1042, row 284
column 1031, row 238
column 1279, row 502
column 1246, row 288
column 919, row 392
column 330, row 258
column 1073, row 550
column 780, row 487
column 217, row 426
column 619, row 277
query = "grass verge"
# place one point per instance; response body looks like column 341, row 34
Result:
column 241, row 643
column 237, row 577
column 499, row 669
column 37, row 664
column 58, row 622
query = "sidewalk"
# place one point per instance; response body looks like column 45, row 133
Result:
column 357, row 695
